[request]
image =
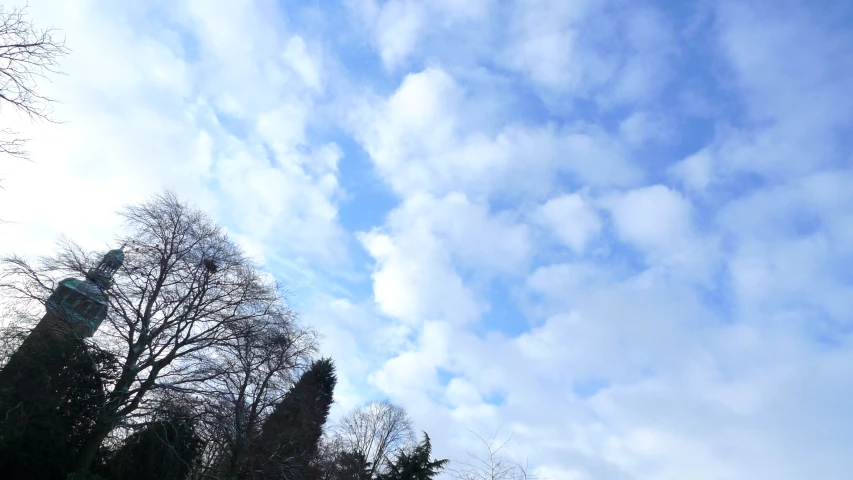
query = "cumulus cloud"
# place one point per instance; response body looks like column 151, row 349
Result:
column 423, row 138
column 144, row 115
column 608, row 326
column 659, row 222
column 581, row 50
column 695, row 172
column 416, row 278
column 653, row 218
column 571, row 220
column 415, row 281
column 399, row 28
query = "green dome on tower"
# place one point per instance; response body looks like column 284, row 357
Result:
column 83, row 303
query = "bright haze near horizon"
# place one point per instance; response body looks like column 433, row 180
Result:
column 621, row 231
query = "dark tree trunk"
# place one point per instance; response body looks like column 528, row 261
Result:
column 89, row 450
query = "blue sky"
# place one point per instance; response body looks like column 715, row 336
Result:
column 621, row 230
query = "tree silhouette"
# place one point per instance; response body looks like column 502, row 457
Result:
column 414, row 465
column 51, row 391
column 168, row 309
column 27, row 55
column 290, row 436
column 163, row 449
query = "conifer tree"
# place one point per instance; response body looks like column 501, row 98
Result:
column 347, row 466
column 290, row 436
column 165, row 449
column 414, row 465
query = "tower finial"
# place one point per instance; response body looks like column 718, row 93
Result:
column 102, row 275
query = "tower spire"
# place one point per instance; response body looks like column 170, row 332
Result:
column 102, row 274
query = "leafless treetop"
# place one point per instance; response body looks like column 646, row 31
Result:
column 491, row 464
column 172, row 316
column 27, row 55
column 377, row 431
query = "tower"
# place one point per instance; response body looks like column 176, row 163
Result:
column 51, row 387
column 75, row 308
column 79, row 306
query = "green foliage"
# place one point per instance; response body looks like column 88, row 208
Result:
column 414, row 465
column 348, row 466
column 51, row 391
column 290, row 436
column 162, row 450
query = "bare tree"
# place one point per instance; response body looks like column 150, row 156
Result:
column 375, row 433
column 184, row 290
column 12, row 335
column 27, row 55
column 254, row 372
column 491, row 465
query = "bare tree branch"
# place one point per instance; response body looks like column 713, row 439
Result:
column 491, row 465
column 27, row 56
column 252, row 373
column 174, row 322
column 375, row 432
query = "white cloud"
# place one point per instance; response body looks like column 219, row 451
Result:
column 653, row 218
column 579, row 49
column 752, row 35
column 424, row 138
column 474, row 236
column 642, row 127
column 414, row 280
column 415, row 277
column 645, row 321
column 303, row 62
column 399, row 27
column 545, row 46
column 571, row 220
column 695, row 171
column 797, row 102
column 645, row 70
column 565, row 282
column 416, row 369
column 684, row 368
column 659, row 222
column 793, row 249
column 142, row 118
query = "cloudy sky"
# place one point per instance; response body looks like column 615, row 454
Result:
column 622, row 230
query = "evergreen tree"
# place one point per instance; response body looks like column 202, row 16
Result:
column 290, row 436
column 50, row 392
column 165, row 449
column 414, row 465
column 347, row 466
